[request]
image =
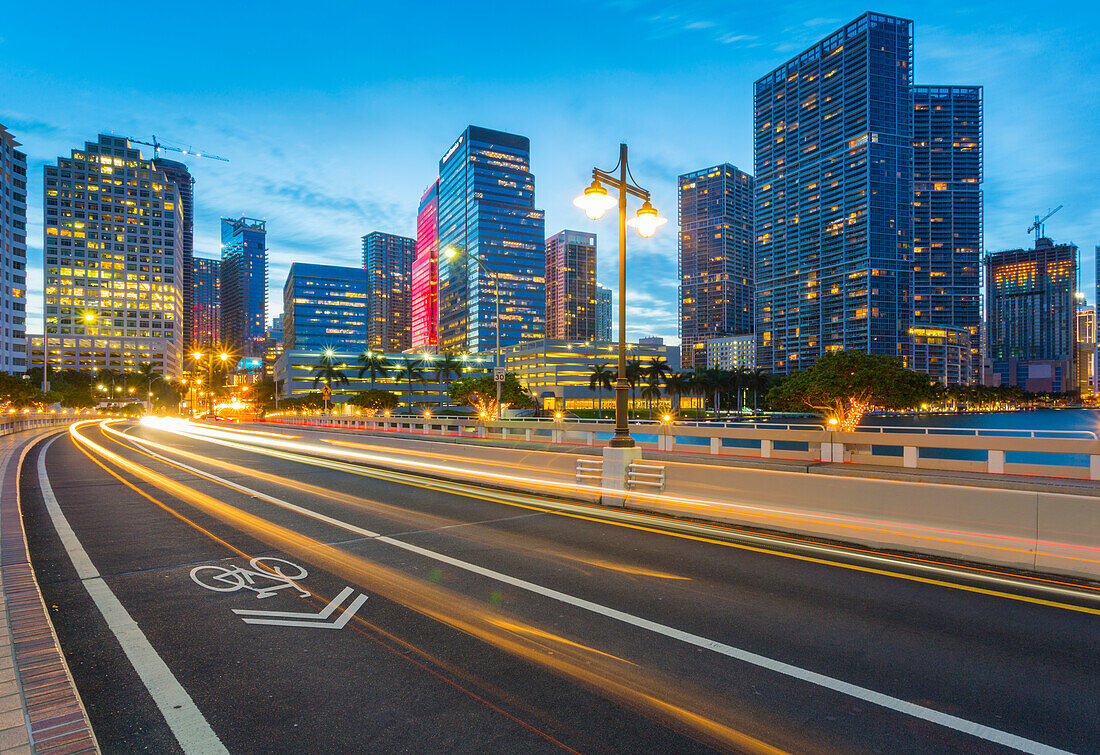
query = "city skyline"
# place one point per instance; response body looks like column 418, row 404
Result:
column 322, row 185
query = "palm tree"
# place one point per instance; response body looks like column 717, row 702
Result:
column 327, row 371
column 697, row 386
column 656, row 369
column 676, row 385
column 450, row 366
column 757, row 379
column 374, row 363
column 411, row 369
column 599, row 379
column 634, row 372
column 649, row 393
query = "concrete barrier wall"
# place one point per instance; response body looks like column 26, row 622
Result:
column 1046, row 532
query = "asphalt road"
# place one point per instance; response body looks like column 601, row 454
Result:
column 504, row 624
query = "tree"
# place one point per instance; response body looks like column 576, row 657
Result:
column 844, row 384
column 445, row 368
column 599, row 380
column 481, row 394
column 327, row 371
column 676, row 385
column 375, row 401
column 17, row 393
column 755, row 380
column 651, row 393
column 656, row 369
column 374, row 363
column 410, row 369
column 697, row 386
column 634, row 372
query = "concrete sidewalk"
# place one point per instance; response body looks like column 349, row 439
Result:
column 40, row 710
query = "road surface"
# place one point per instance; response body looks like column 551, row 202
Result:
column 410, row 615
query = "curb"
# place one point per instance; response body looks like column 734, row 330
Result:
column 40, row 709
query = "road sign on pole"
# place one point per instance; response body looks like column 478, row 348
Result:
column 498, row 374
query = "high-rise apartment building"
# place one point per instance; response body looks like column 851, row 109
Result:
column 388, row 261
column 715, row 260
column 1030, row 299
column 603, row 313
column 834, row 197
column 947, row 217
column 1086, row 348
column 571, row 286
column 113, row 261
column 424, row 312
column 206, row 314
column 244, row 285
column 487, row 215
column 326, row 307
column 13, row 255
column 179, row 176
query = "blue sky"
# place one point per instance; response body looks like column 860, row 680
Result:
column 334, row 120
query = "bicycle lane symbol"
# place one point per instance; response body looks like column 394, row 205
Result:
column 266, row 578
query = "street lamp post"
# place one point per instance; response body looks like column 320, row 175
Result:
column 450, row 253
column 595, row 202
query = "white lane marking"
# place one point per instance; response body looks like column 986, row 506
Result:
column 898, row 705
column 180, row 712
column 311, row 621
column 324, row 613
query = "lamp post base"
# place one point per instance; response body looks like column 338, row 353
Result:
column 616, row 462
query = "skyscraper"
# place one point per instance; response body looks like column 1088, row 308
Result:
column 244, row 285
column 603, row 313
column 834, row 196
column 947, row 215
column 206, row 325
column 388, row 261
column 716, row 262
column 13, row 255
column 424, row 314
column 571, row 286
column 1030, row 299
column 487, row 213
column 325, row 307
column 113, row 254
column 179, row 176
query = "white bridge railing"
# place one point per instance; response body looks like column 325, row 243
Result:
column 1061, row 453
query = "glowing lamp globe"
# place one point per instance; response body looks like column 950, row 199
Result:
column 647, row 222
column 595, row 201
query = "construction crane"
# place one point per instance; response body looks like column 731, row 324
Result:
column 158, row 147
column 1037, row 226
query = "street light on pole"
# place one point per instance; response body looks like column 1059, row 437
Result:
column 450, row 253
column 595, row 202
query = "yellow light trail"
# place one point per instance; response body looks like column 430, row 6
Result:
column 462, row 489
column 666, row 700
column 769, row 516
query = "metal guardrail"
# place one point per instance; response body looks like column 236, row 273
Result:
column 979, row 432
column 651, row 476
column 589, row 470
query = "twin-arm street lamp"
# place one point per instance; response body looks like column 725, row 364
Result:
column 450, row 253
column 198, row 356
column 595, row 202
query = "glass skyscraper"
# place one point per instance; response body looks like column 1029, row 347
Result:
column 178, row 175
column 206, row 326
column 716, row 263
column 571, row 286
column 113, row 253
column 13, row 255
column 388, row 261
column 244, row 285
column 325, row 307
column 487, row 208
column 834, row 197
column 425, row 275
column 947, row 220
column 603, row 313
column 1030, row 299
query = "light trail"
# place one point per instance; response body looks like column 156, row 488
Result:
column 665, row 700
column 659, row 705
column 772, row 517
